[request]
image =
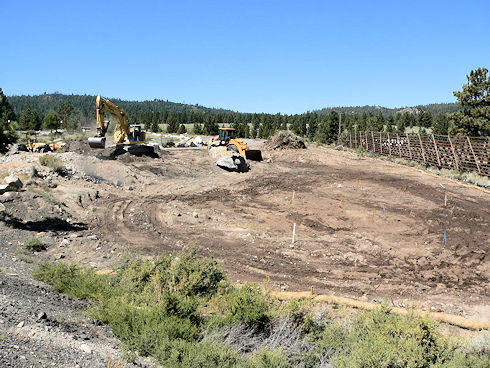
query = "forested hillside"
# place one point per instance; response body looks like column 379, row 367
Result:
column 437, row 108
column 468, row 117
column 86, row 104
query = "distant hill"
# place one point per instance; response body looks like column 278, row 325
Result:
column 86, row 104
column 437, row 108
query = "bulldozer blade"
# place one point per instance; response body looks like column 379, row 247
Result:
column 254, row 155
column 96, row 142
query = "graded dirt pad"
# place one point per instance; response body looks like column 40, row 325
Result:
column 366, row 229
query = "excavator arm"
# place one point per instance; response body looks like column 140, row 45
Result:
column 120, row 133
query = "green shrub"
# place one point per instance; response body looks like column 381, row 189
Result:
column 181, row 353
column 52, row 161
column 34, row 244
column 270, row 358
column 246, row 304
column 75, row 281
column 161, row 308
column 382, row 339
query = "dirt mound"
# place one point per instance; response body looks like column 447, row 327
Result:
column 80, row 147
column 284, row 140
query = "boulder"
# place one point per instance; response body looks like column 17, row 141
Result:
column 218, row 152
column 235, row 162
column 12, row 184
column 198, row 142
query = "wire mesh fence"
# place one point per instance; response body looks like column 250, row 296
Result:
column 469, row 154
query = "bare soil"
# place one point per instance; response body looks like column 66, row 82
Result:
column 367, row 229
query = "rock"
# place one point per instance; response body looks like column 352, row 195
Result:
column 195, row 215
column 33, row 172
column 13, row 149
column 92, row 237
column 60, row 256
column 235, row 162
column 198, row 142
column 12, row 184
column 218, row 152
column 20, row 324
column 42, row 315
column 2, row 207
column 86, row 349
column 14, row 181
column 64, row 243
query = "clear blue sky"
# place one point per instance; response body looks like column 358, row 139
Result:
column 250, row 56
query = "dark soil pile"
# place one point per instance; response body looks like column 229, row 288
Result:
column 80, row 147
column 284, row 140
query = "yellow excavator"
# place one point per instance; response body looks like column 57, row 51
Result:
column 125, row 134
column 227, row 137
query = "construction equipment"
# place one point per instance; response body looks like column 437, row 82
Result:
column 33, row 144
column 227, row 137
column 124, row 134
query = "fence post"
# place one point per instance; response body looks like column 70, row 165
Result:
column 366, row 137
column 437, row 150
column 399, row 144
column 423, row 150
column 474, row 156
column 454, row 152
column 389, row 143
column 409, row 148
column 374, row 144
column 380, row 142
column 350, row 139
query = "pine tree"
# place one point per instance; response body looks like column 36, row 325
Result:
column 7, row 115
column 154, row 126
column 51, row 120
column 65, row 111
column 29, row 120
column 474, row 119
column 197, row 129
column 6, row 110
column 441, row 124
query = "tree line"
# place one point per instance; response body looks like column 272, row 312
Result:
column 71, row 112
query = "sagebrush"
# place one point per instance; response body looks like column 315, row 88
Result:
column 182, row 311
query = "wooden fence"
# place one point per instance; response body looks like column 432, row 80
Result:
column 443, row 151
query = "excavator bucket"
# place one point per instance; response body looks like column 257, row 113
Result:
column 253, row 154
column 96, row 142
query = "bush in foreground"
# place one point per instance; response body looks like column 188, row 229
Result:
column 182, row 311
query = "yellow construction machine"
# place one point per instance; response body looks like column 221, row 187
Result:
column 33, row 144
column 227, row 137
column 124, row 134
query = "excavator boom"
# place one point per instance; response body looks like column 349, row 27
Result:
column 122, row 133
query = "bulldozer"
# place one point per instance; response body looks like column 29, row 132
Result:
column 227, row 137
column 128, row 136
column 33, row 145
